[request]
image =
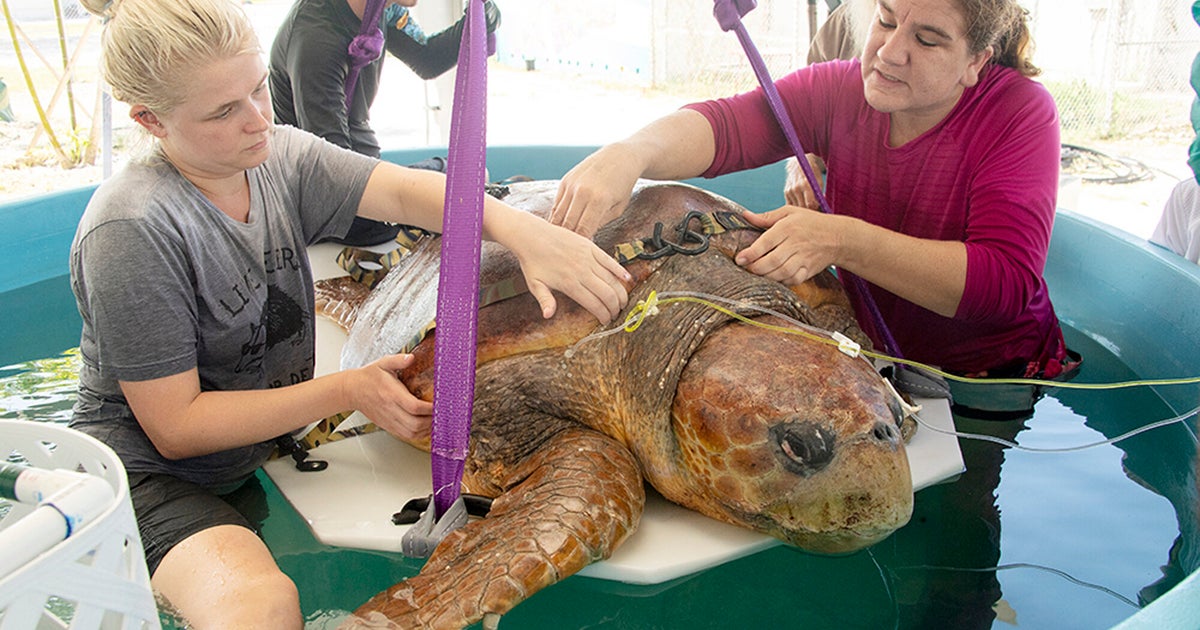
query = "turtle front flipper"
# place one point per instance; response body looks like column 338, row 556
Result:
column 571, row 503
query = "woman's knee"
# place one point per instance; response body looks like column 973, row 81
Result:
column 226, row 577
column 270, row 597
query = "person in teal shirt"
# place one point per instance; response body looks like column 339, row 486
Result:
column 1194, row 153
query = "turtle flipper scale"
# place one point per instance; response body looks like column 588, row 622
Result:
column 572, row 503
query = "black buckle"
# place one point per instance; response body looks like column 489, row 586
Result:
column 477, row 506
column 289, row 446
column 657, row 247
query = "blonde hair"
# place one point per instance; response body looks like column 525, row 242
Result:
column 149, row 46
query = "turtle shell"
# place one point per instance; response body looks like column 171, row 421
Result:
column 722, row 401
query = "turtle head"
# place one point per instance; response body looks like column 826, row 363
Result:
column 791, row 438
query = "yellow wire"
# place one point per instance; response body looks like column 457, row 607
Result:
column 649, row 306
column 645, row 308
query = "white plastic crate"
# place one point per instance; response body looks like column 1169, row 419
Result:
column 96, row 577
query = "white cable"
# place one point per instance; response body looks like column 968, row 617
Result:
column 1065, row 449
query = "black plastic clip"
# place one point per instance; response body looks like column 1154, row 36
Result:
column 289, row 446
column 477, row 506
column 690, row 241
column 429, row 529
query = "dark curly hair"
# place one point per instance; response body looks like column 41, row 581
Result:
column 1002, row 25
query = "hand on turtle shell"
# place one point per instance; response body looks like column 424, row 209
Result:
column 564, row 261
column 378, row 393
column 595, row 191
column 798, row 244
column 796, row 190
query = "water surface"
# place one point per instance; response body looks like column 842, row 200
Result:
column 1033, row 540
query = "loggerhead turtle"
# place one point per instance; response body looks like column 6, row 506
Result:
column 751, row 426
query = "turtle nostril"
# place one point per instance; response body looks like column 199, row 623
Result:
column 885, row 432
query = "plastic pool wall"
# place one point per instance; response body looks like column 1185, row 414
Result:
column 1136, row 301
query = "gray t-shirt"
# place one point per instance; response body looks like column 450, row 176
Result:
column 166, row 282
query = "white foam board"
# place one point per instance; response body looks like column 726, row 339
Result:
column 370, row 477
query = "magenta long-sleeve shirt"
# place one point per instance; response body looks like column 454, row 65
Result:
column 986, row 175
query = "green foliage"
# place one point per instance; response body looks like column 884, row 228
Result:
column 1081, row 109
column 1088, row 113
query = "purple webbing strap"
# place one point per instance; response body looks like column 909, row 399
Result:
column 729, row 15
column 458, row 283
column 366, row 47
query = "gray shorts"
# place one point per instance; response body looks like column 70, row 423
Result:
column 169, row 510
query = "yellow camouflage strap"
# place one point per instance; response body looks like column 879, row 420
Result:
column 488, row 294
column 327, row 431
column 366, row 266
column 501, row 290
column 724, row 221
column 626, row 252
column 369, row 267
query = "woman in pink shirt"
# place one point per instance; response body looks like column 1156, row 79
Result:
column 943, row 163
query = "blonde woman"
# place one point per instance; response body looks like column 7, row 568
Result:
column 190, row 274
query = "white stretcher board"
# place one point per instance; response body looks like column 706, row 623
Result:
column 370, row 477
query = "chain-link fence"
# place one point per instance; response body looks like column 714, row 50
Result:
column 673, row 45
column 1117, row 68
column 692, row 54
column 1120, row 67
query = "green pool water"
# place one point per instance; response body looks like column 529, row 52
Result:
column 1021, row 540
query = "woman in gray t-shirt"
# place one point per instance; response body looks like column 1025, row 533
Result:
column 190, row 273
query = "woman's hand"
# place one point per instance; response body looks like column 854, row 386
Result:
column 556, row 259
column 377, row 391
column 596, row 190
column 796, row 189
column 798, row 244
column 677, row 146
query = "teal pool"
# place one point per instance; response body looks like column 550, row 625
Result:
column 1079, row 539
column 1105, row 516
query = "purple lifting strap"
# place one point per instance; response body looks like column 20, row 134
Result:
column 458, row 288
column 366, row 47
column 729, row 15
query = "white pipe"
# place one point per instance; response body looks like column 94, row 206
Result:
column 29, row 537
column 66, row 501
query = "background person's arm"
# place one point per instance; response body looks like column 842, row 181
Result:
column 318, row 78
column 430, row 56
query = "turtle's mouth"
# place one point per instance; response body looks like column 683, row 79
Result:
column 839, row 542
column 863, row 522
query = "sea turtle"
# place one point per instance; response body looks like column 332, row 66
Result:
column 749, row 425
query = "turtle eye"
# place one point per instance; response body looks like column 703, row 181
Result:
column 804, row 447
